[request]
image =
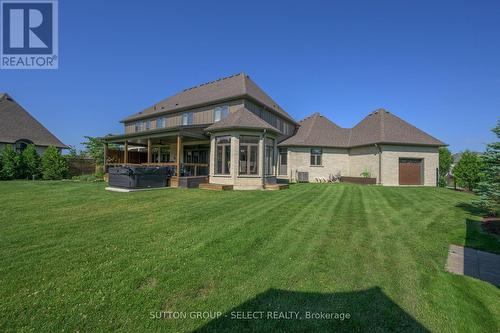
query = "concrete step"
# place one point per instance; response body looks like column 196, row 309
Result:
column 215, row 187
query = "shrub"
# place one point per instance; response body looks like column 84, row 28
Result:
column 366, row 174
column 467, row 172
column 54, row 165
column 88, row 178
column 445, row 160
column 31, row 162
column 10, row 163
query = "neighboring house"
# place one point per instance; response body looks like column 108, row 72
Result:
column 18, row 128
column 233, row 133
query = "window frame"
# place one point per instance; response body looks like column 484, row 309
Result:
column 189, row 116
column 316, row 157
column 160, row 123
column 269, row 159
column 225, row 164
column 222, row 110
column 249, row 146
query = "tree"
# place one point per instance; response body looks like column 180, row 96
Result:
column 10, row 163
column 467, row 172
column 94, row 147
column 54, row 165
column 31, row 162
column 489, row 188
column 445, row 160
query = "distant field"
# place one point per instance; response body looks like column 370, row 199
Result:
column 74, row 257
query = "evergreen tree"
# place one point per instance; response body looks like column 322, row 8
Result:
column 489, row 188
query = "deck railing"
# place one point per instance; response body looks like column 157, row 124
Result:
column 187, row 169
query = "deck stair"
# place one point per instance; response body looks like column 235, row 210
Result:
column 215, row 187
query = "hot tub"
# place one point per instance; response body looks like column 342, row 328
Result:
column 140, row 176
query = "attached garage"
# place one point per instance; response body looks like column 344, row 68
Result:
column 411, row 171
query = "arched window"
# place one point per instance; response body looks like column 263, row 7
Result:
column 22, row 144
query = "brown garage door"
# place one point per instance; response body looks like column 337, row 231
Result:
column 410, row 171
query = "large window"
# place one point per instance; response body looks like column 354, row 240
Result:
column 269, row 156
column 187, row 118
column 137, row 126
column 148, row 125
column 160, row 122
column 316, row 156
column 223, row 155
column 221, row 112
column 249, row 155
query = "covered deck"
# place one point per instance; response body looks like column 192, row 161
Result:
column 184, row 148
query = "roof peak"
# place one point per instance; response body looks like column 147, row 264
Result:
column 241, row 118
column 378, row 111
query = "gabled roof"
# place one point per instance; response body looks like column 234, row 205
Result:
column 241, row 119
column 379, row 126
column 317, row 130
column 16, row 123
column 235, row 86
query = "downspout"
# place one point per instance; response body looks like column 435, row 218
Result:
column 379, row 181
column 264, row 158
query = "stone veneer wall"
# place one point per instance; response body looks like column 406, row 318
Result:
column 352, row 162
column 390, row 162
column 334, row 161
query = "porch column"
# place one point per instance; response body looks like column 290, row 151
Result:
column 105, row 156
column 178, row 157
column 149, row 151
column 125, row 153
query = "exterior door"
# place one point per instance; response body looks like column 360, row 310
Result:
column 410, row 171
column 283, row 162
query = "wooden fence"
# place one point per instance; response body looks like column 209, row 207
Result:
column 81, row 166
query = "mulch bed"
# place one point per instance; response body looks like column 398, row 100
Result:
column 492, row 225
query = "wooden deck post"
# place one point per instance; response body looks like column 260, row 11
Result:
column 105, row 156
column 125, row 153
column 178, row 157
column 149, row 151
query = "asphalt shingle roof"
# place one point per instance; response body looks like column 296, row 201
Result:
column 379, row 126
column 235, row 86
column 241, row 119
column 16, row 123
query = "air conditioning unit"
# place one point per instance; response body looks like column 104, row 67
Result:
column 302, row 177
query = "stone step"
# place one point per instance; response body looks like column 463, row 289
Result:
column 215, row 187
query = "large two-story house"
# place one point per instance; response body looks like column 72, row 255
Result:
column 229, row 132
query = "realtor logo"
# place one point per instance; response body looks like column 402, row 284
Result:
column 29, row 37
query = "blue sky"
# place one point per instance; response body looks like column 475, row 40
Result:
column 435, row 64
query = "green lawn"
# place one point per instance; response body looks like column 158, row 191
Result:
column 74, row 257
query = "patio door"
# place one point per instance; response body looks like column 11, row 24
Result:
column 283, row 162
